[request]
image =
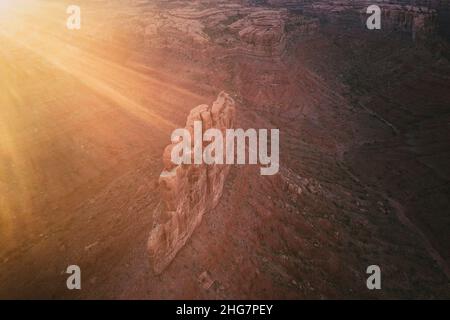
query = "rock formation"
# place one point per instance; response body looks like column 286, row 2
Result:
column 262, row 32
column 420, row 22
column 189, row 191
column 299, row 25
column 170, row 31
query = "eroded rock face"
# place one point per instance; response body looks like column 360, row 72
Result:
column 419, row 21
column 262, row 32
column 299, row 25
column 189, row 191
column 169, row 31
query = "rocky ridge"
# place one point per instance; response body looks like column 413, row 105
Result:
column 189, row 191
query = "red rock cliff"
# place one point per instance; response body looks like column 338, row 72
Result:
column 189, row 191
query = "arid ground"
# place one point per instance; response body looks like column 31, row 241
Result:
column 364, row 119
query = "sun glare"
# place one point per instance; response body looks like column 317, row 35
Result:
column 9, row 7
column 5, row 4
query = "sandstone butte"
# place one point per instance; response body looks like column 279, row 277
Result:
column 188, row 191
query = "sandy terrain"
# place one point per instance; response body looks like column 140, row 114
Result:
column 364, row 176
